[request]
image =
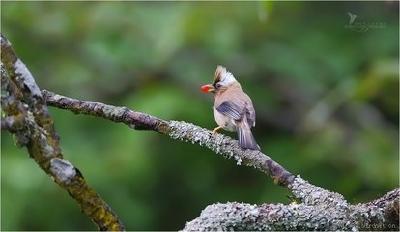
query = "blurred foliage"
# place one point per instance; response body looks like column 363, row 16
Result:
column 326, row 98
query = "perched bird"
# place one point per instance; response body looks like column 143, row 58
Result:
column 233, row 109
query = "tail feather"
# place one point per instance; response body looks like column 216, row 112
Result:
column 246, row 139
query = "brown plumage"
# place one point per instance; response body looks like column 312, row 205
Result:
column 233, row 109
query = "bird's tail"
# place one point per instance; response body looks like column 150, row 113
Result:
column 246, row 139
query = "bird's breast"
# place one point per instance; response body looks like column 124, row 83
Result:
column 225, row 122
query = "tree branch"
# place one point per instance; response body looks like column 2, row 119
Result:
column 278, row 217
column 218, row 143
column 318, row 209
column 28, row 119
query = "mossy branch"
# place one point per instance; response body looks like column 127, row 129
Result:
column 184, row 131
column 301, row 217
column 318, row 209
column 28, row 119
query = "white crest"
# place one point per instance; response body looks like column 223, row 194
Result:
column 225, row 77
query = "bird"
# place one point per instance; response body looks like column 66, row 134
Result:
column 233, row 109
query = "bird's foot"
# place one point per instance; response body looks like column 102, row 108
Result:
column 216, row 129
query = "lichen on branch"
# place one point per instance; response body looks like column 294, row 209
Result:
column 27, row 117
column 178, row 130
column 317, row 208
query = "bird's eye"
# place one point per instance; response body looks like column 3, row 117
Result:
column 218, row 85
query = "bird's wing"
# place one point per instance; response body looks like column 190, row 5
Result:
column 231, row 110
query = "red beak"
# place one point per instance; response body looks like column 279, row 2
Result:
column 207, row 88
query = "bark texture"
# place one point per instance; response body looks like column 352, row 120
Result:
column 315, row 209
column 184, row 131
column 318, row 210
column 28, row 119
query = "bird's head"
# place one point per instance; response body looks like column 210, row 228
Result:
column 223, row 79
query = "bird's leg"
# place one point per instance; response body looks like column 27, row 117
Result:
column 216, row 129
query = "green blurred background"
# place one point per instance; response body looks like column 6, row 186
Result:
column 326, row 96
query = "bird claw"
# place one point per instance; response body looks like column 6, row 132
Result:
column 216, row 129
